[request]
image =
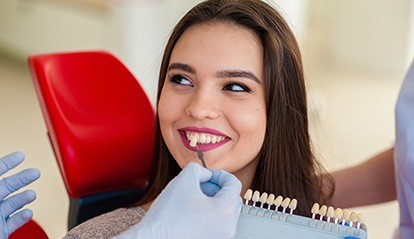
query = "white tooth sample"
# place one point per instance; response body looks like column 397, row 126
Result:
column 278, row 201
column 345, row 216
column 330, row 214
column 263, row 199
column 292, row 205
column 270, row 200
column 353, row 218
column 361, row 219
column 187, row 134
column 248, row 195
column 285, row 204
column 315, row 210
column 202, row 138
column 256, row 197
column 338, row 214
column 193, row 141
column 322, row 211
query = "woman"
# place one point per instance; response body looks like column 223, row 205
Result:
column 231, row 81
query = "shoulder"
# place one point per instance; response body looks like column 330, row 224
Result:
column 107, row 225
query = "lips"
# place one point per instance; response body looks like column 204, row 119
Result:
column 204, row 139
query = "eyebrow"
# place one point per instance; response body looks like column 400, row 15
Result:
column 183, row 67
column 220, row 74
column 238, row 73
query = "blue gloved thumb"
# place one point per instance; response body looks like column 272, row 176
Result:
column 210, row 188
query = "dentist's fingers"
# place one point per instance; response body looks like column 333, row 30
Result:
column 15, row 202
column 209, row 188
column 228, row 182
column 15, row 182
column 10, row 161
column 18, row 220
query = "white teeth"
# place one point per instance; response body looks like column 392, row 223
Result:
column 202, row 138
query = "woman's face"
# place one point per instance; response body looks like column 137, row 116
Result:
column 213, row 95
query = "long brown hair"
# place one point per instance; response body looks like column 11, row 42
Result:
column 286, row 165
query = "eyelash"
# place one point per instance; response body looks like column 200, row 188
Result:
column 243, row 87
column 176, row 79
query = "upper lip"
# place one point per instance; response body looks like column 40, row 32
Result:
column 203, row 130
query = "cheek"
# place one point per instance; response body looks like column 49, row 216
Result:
column 167, row 109
column 251, row 126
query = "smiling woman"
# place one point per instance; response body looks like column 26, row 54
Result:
column 231, row 83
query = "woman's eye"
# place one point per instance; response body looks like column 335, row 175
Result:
column 180, row 80
column 236, row 87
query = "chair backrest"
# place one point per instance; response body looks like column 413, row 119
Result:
column 29, row 230
column 100, row 121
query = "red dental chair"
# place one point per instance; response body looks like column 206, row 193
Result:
column 29, row 230
column 100, row 123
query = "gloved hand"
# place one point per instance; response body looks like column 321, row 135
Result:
column 198, row 203
column 404, row 154
column 9, row 205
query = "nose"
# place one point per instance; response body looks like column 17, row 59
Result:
column 204, row 104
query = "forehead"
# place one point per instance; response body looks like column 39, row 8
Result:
column 219, row 45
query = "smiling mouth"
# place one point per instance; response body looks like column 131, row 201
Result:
column 203, row 138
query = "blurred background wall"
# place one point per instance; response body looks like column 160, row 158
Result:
column 355, row 57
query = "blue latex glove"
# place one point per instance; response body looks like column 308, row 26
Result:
column 10, row 204
column 404, row 155
column 184, row 210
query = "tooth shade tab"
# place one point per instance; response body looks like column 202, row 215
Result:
column 270, row 199
column 353, row 218
column 330, row 214
column 292, row 205
column 263, row 199
column 278, row 201
column 361, row 219
column 256, row 197
column 315, row 210
column 285, row 204
column 193, row 142
column 248, row 196
column 322, row 212
column 338, row 215
column 345, row 216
